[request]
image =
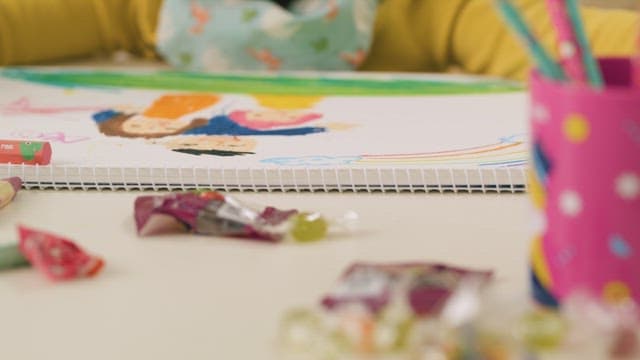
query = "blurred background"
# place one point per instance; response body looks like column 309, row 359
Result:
column 614, row 3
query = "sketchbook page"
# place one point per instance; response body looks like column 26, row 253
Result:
column 105, row 120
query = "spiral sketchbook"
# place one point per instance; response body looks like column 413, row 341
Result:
column 289, row 131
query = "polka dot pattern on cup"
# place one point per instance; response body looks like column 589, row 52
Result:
column 576, row 128
column 570, row 203
column 585, row 179
column 619, row 247
column 628, row 186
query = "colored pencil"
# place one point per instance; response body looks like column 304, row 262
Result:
column 590, row 64
column 568, row 47
column 545, row 63
column 635, row 61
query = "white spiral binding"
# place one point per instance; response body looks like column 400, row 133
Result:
column 482, row 180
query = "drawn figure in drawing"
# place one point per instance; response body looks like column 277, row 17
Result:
column 168, row 115
column 209, row 145
column 259, row 122
column 172, row 115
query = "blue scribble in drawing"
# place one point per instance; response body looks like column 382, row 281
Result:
column 513, row 139
column 312, row 160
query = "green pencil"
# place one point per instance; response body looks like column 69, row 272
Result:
column 590, row 64
column 547, row 66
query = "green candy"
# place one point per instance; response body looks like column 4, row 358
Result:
column 300, row 329
column 543, row 330
column 308, row 227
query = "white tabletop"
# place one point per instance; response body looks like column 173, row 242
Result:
column 192, row 297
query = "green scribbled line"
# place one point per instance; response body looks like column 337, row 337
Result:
column 255, row 84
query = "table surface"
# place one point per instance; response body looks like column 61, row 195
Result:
column 193, row 297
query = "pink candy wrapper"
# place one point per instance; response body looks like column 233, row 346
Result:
column 56, row 257
column 208, row 213
column 426, row 286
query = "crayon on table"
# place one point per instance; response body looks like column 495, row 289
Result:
column 11, row 257
column 8, row 189
column 545, row 63
column 25, row 152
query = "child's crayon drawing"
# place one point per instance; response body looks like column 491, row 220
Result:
column 507, row 152
column 195, row 125
column 23, row 106
column 199, row 121
column 209, row 145
column 56, row 136
column 181, row 114
column 336, row 85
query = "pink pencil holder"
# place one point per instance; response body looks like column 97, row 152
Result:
column 585, row 186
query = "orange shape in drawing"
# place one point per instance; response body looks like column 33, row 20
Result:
column 175, row 106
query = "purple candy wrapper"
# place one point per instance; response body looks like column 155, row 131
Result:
column 427, row 286
column 208, row 213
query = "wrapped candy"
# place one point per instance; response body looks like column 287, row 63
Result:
column 56, row 257
column 378, row 310
column 426, row 286
column 371, row 315
column 8, row 190
column 212, row 213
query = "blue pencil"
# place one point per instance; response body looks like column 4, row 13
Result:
column 547, row 66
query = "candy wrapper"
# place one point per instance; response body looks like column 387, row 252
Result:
column 56, row 257
column 506, row 328
column 8, row 190
column 426, row 286
column 377, row 310
column 212, row 213
column 371, row 316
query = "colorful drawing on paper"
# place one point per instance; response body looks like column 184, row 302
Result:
column 506, row 152
column 56, row 136
column 195, row 126
column 224, row 146
column 315, row 85
column 23, row 106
